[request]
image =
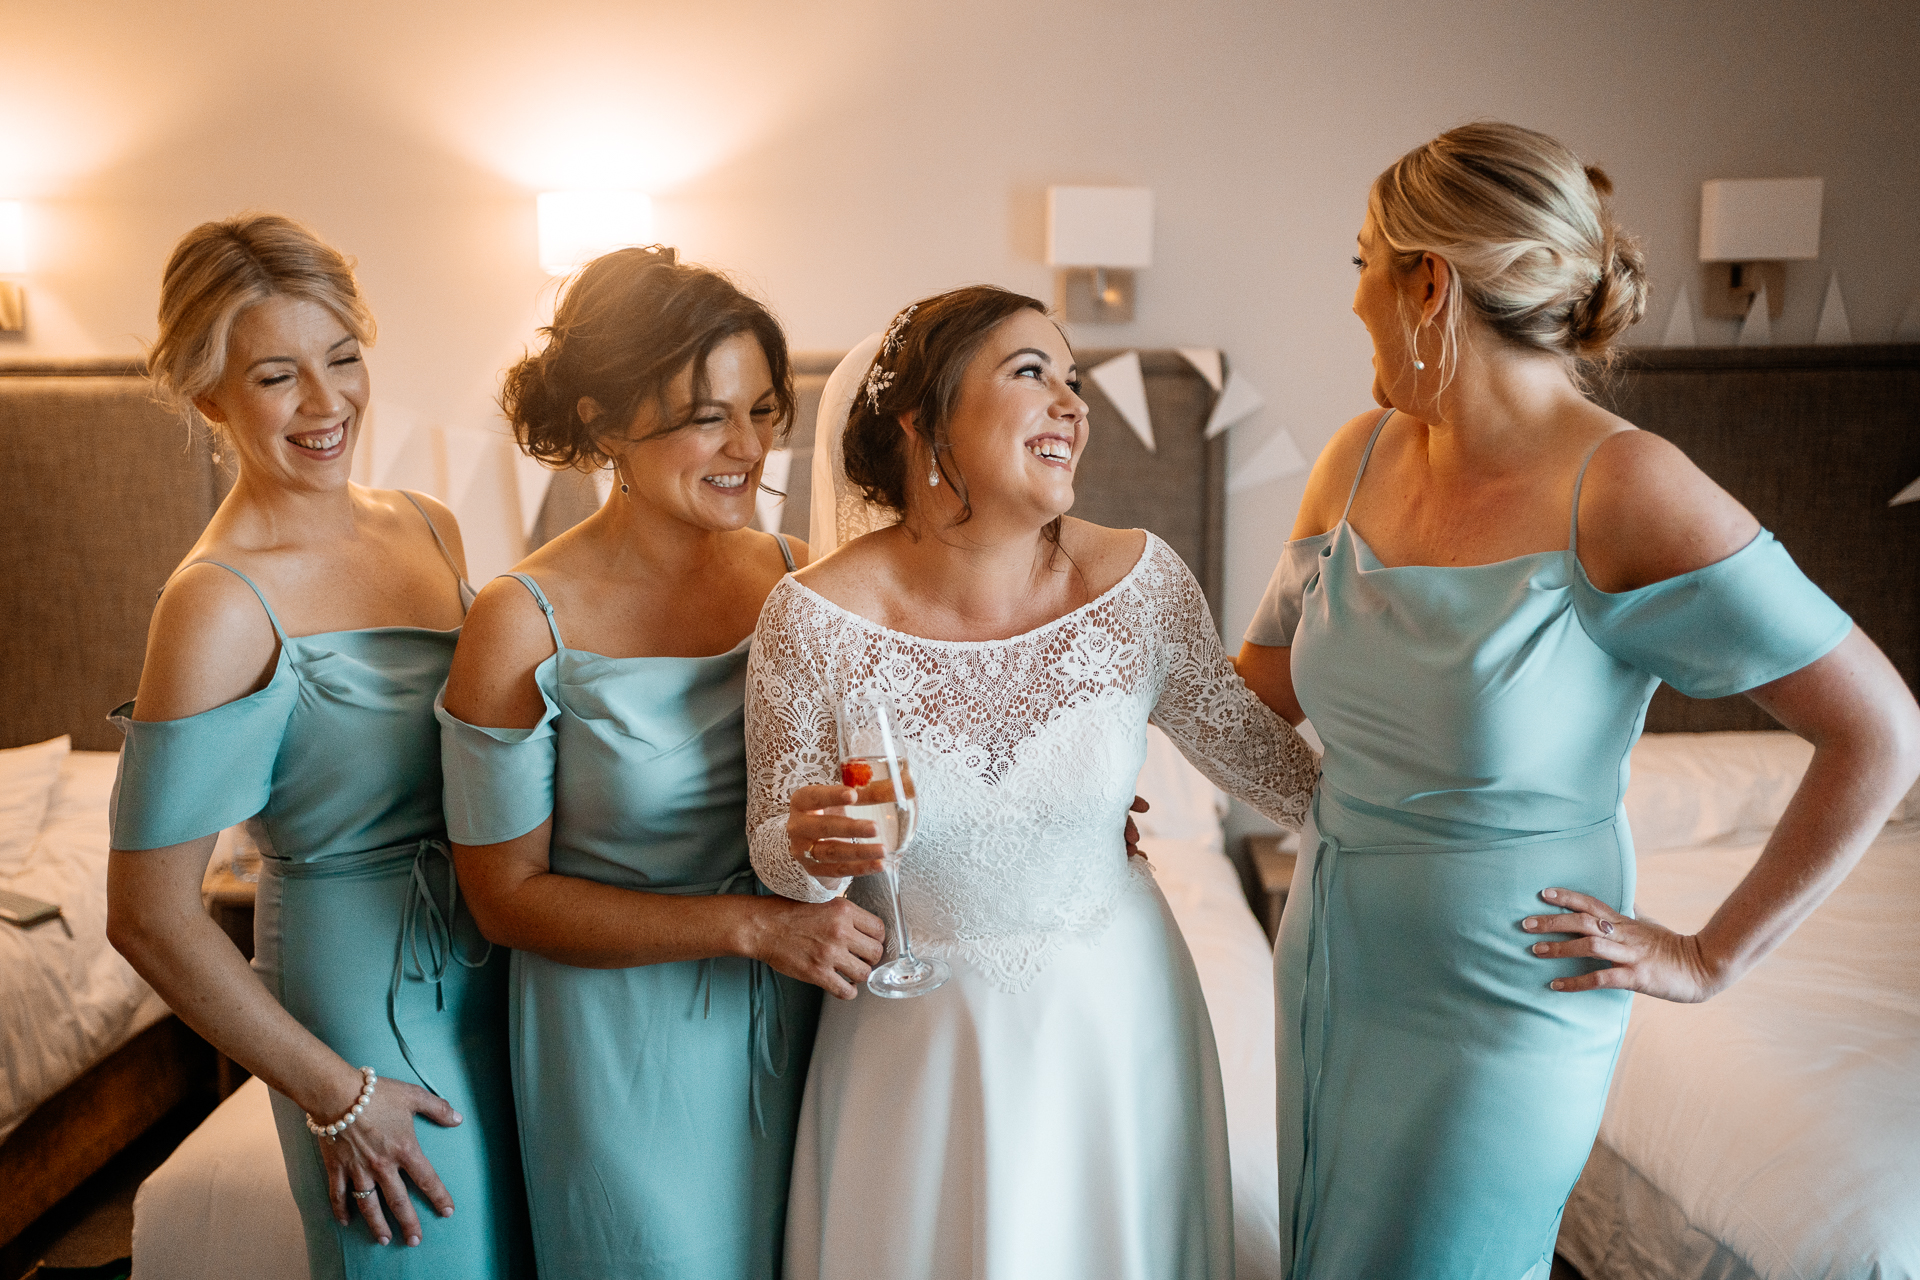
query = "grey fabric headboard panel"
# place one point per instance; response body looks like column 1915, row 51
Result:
column 1178, row 491
column 105, row 492
column 1814, row 441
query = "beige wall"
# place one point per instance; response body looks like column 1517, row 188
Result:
column 846, row 160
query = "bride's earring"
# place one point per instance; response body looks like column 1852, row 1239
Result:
column 933, row 476
column 1418, row 364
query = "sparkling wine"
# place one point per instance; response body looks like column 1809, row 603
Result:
column 889, row 808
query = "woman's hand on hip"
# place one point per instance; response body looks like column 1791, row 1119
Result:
column 834, row 945
column 372, row 1153
column 1645, row 957
column 827, row 844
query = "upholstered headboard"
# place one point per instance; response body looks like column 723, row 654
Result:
column 105, row 492
column 1814, row 440
column 1178, row 491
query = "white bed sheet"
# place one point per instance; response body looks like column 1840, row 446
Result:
column 65, row 1002
column 1781, row 1119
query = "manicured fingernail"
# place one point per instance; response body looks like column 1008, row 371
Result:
column 383, row 1240
column 447, row 1212
column 1550, row 894
column 412, row 1241
column 1531, row 922
column 1555, row 984
column 457, row 1117
column 1540, row 948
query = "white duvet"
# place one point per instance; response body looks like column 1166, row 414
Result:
column 1781, row 1119
column 65, row 1002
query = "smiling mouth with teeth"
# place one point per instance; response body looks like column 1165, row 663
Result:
column 1051, row 450
column 320, row 442
column 732, row 481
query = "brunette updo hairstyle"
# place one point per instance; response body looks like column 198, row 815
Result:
column 217, row 271
column 626, row 327
column 1527, row 231
column 918, row 371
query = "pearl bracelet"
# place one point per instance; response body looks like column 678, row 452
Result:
column 333, row 1130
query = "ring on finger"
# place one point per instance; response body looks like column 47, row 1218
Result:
column 362, row 1195
column 1605, row 926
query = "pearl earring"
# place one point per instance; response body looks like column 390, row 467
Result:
column 933, row 476
column 1419, row 364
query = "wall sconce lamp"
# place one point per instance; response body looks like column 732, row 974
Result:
column 578, row 226
column 1099, row 236
column 13, row 262
column 1749, row 229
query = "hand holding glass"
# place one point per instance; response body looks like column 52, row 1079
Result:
column 873, row 761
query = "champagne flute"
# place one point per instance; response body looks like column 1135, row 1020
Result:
column 873, row 761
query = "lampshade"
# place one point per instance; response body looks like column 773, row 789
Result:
column 13, row 238
column 578, row 226
column 1760, row 219
column 1100, row 226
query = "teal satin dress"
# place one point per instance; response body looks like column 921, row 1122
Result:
column 657, row 1104
column 335, row 768
column 1437, row 1100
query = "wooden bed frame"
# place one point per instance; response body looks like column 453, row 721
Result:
column 106, row 492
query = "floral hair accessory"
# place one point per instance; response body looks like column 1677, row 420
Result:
column 878, row 380
column 897, row 331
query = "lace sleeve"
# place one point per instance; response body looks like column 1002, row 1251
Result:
column 790, row 743
column 1219, row 725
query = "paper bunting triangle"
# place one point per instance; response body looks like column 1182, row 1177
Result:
column 1833, row 331
column 1909, row 494
column 1207, row 361
column 774, row 474
column 1120, row 379
column 1238, row 401
column 1680, row 323
column 1757, row 329
column 1278, row 458
column 1908, row 330
column 530, row 482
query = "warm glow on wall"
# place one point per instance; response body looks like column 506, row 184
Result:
column 578, row 226
column 13, row 238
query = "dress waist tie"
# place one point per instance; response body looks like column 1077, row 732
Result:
column 423, row 927
column 766, row 1006
column 1328, row 854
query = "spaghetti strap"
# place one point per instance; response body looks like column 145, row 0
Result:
column 1580, row 478
column 540, row 599
column 272, row 617
column 1362, row 470
column 437, row 541
column 786, row 551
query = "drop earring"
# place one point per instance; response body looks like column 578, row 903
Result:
column 1418, row 364
column 933, row 476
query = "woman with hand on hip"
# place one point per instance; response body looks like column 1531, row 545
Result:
column 662, row 1008
column 1487, row 581
column 289, row 682
column 1055, row 1108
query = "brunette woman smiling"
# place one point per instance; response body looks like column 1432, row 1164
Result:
column 289, row 682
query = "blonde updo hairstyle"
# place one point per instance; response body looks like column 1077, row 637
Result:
column 217, row 271
column 1528, row 235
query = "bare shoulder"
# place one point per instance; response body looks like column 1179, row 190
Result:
column 1332, row 476
column 503, row 640
column 1647, row 513
column 209, row 642
column 439, row 515
column 1103, row 555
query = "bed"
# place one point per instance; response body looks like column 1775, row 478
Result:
column 91, row 1057
column 220, row 1207
column 1775, row 1130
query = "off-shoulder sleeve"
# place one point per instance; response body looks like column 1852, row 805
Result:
column 1206, row 708
column 1731, row 626
column 179, row 780
column 790, row 741
column 1279, row 612
column 498, row 782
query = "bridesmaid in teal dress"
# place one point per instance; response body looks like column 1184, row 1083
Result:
column 1486, row 583
column 662, row 1006
column 289, row 683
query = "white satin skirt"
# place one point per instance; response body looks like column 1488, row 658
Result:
column 1073, row 1129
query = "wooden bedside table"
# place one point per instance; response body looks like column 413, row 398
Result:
column 1272, row 858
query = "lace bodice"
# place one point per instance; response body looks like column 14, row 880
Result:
column 1024, row 753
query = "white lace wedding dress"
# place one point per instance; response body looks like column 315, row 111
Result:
column 1055, row 1109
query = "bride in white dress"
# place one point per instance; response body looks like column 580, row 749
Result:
column 1055, row 1109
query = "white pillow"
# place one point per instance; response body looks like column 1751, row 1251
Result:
column 1185, row 806
column 1691, row 789
column 27, row 775
column 76, row 825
